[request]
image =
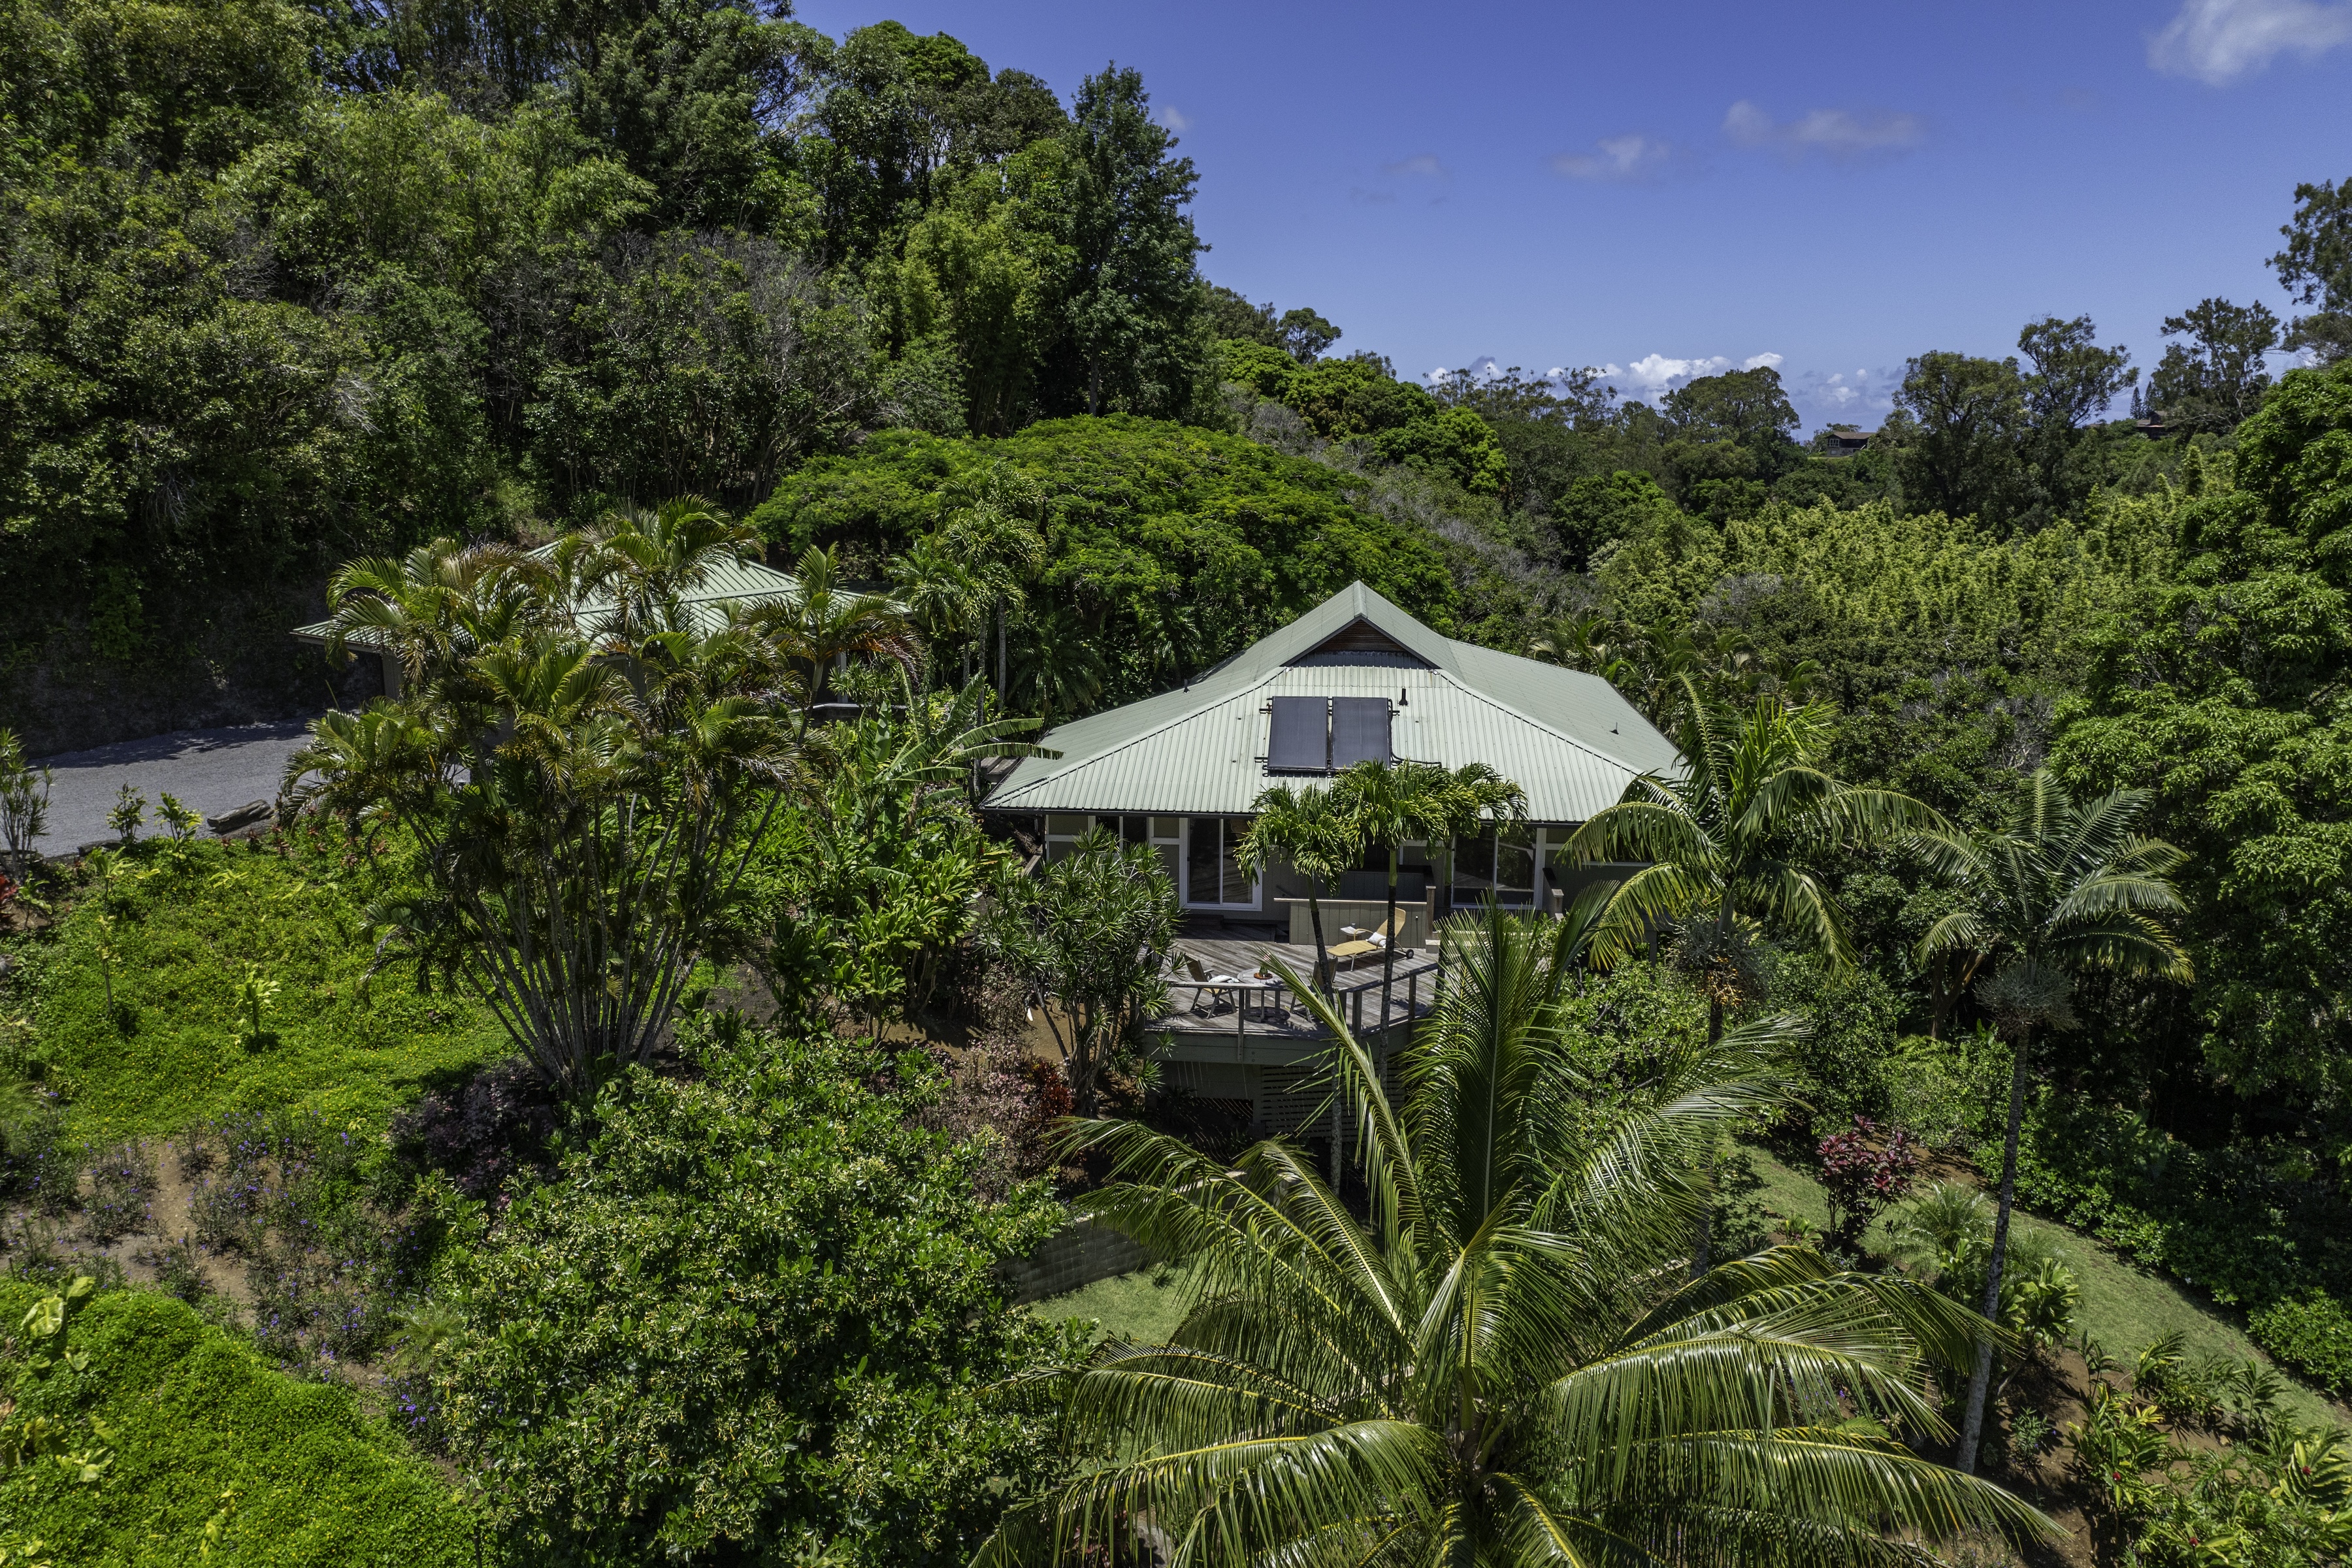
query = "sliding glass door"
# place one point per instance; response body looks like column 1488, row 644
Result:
column 1213, row 878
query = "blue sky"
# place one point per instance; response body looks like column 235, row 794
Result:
column 1671, row 188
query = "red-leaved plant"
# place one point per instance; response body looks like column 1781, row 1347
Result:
column 1864, row 1175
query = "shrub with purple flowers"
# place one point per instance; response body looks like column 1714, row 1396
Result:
column 39, row 1163
column 326, row 1270
column 1863, row 1172
column 121, row 1198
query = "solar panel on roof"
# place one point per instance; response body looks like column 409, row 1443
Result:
column 1299, row 739
column 1360, row 731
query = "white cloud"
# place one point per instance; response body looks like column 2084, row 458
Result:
column 1425, row 164
column 1845, row 397
column 1483, row 368
column 1615, row 158
column 1841, row 133
column 1174, row 120
column 2217, row 41
column 1654, row 375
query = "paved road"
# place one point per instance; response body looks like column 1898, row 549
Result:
column 212, row 770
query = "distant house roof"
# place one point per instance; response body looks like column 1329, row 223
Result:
column 1850, row 437
column 724, row 581
column 1567, row 738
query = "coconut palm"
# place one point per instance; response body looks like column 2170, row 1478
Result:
column 1730, row 848
column 1394, row 802
column 822, row 622
column 1311, row 830
column 1501, row 1365
column 2064, row 887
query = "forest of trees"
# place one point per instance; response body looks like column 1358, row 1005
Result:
column 292, row 285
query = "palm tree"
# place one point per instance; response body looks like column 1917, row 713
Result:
column 2064, row 887
column 1500, row 1366
column 993, row 525
column 1061, row 672
column 1730, row 847
column 1392, row 802
column 646, row 561
column 820, row 623
column 429, row 612
column 1583, row 642
column 941, row 592
column 584, row 813
column 1311, row 830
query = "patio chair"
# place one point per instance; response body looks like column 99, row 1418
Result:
column 1215, row 986
column 1372, row 945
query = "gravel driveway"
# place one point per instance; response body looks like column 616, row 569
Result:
column 212, row 770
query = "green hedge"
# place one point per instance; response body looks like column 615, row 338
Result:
column 2313, row 1333
column 198, row 1418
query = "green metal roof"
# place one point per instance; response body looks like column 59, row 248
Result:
column 723, row 582
column 1567, row 738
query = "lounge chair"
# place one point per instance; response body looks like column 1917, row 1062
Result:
column 1202, row 980
column 1372, row 943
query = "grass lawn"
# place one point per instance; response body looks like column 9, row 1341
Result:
column 1144, row 1306
column 2123, row 1308
column 202, row 1431
column 183, row 934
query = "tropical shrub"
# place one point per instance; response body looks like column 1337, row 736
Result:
column 863, row 893
column 751, row 1319
column 1086, row 935
column 291, row 1196
column 2312, row 1333
column 1862, row 1173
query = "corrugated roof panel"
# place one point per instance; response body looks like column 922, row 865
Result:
column 724, row 582
column 1569, row 739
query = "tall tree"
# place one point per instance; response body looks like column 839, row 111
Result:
column 2214, row 688
column 1496, row 1366
column 2316, row 268
column 2071, row 379
column 1746, row 408
column 1742, row 836
column 2064, row 887
column 1968, row 421
column 2216, row 380
column 1132, row 298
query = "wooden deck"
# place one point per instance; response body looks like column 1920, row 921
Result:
column 1261, row 1017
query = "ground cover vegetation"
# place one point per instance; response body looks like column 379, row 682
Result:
column 438, row 1093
